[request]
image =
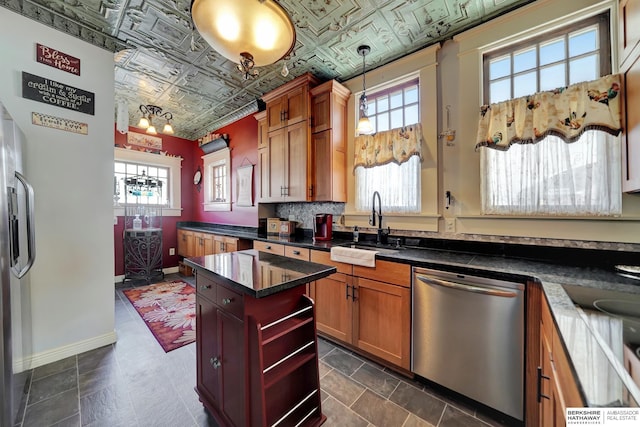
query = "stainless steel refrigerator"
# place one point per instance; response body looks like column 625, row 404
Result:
column 16, row 258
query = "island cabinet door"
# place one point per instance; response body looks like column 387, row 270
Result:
column 382, row 321
column 333, row 298
column 207, row 357
column 232, row 368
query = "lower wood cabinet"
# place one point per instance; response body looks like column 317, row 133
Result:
column 256, row 358
column 369, row 309
column 194, row 243
column 556, row 386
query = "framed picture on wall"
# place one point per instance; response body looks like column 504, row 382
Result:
column 244, row 176
column 148, row 142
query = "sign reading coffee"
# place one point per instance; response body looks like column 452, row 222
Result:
column 55, row 58
column 55, row 93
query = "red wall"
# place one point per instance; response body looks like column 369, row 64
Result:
column 243, row 141
column 189, row 151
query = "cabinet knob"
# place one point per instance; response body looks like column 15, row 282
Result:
column 226, row 301
column 268, row 247
column 296, row 252
column 215, row 362
column 203, row 287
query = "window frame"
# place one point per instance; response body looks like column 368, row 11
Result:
column 388, row 89
column 604, row 31
column 211, row 161
column 173, row 163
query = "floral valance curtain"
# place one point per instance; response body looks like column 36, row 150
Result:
column 395, row 145
column 564, row 112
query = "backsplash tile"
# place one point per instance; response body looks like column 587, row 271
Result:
column 304, row 213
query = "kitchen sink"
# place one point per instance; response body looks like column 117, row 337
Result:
column 383, row 249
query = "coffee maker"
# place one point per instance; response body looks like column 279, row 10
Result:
column 322, row 226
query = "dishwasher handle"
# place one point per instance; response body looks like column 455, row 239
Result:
column 465, row 287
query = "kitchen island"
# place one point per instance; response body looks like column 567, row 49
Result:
column 256, row 343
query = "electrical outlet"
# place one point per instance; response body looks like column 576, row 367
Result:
column 450, row 225
column 172, row 251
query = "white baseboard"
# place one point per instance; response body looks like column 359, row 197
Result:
column 168, row 270
column 50, row 356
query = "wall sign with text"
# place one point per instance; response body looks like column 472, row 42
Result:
column 59, row 123
column 60, row 60
column 55, row 93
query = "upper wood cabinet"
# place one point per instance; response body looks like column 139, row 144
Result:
column 289, row 104
column 328, row 142
column 629, row 54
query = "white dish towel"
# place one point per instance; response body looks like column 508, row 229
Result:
column 354, row 256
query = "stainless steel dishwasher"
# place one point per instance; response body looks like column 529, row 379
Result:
column 468, row 335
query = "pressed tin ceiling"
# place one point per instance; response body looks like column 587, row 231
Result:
column 160, row 60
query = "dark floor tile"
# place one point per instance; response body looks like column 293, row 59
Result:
column 323, row 369
column 73, row 421
column 450, row 397
column 454, row 417
column 51, row 385
column 108, row 405
column 341, row 387
column 95, row 380
column 375, row 379
column 342, row 361
column 415, row 421
column 339, row 415
column 379, row 411
column 324, row 347
column 95, row 359
column 51, row 411
column 418, row 402
column 55, row 367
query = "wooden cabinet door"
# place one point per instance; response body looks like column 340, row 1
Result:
column 207, row 349
column 382, row 321
column 297, row 105
column 186, row 243
column 321, row 112
column 264, row 172
column 631, row 126
column 295, row 165
column 321, row 166
column 232, row 368
column 275, row 114
column 334, row 306
column 276, row 166
column 545, row 381
column 203, row 244
column 261, row 118
column 628, row 28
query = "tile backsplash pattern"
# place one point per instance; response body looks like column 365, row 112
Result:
column 305, row 212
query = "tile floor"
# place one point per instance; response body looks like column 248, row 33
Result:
column 135, row 383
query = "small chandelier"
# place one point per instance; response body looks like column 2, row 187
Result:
column 149, row 112
column 251, row 33
column 364, row 124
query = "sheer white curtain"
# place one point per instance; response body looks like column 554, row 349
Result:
column 398, row 185
column 553, row 177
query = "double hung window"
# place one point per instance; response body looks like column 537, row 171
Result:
column 552, row 176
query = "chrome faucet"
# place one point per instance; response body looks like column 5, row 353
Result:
column 372, row 220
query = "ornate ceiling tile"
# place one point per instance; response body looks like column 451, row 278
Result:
column 161, row 60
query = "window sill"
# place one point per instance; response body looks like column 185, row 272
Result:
column 217, row 207
column 119, row 211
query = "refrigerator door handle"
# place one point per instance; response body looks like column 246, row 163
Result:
column 31, row 246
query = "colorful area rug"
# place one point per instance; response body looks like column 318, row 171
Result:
column 169, row 310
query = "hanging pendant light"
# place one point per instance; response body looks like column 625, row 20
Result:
column 149, row 112
column 251, row 33
column 364, row 124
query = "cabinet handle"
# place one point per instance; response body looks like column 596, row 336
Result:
column 282, row 116
column 268, row 247
column 296, row 252
column 346, row 291
column 204, row 287
column 226, row 301
column 311, row 191
column 215, row 362
column 540, row 378
column 354, row 295
column 286, row 115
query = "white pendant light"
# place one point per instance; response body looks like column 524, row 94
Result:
column 364, row 124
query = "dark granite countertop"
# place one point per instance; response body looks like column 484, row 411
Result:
column 582, row 344
column 260, row 274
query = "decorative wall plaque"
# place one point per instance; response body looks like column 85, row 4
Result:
column 59, row 123
column 55, row 93
column 60, row 60
column 143, row 140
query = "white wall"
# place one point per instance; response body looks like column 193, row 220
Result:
column 72, row 299
column 459, row 84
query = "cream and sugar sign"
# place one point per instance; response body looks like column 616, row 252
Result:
column 56, row 93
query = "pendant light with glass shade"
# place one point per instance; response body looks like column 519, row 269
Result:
column 149, row 112
column 251, row 33
column 364, row 124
